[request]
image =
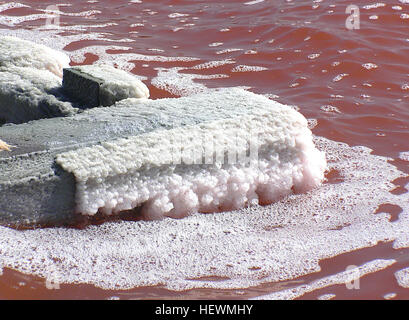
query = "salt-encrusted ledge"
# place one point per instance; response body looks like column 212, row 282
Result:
column 35, row 189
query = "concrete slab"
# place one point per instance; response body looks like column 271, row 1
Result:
column 101, row 85
column 82, row 87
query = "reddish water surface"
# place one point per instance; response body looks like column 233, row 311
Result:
column 355, row 83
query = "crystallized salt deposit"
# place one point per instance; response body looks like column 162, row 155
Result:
column 117, row 84
column 27, row 93
column 15, row 52
column 202, row 168
column 29, row 81
column 243, row 248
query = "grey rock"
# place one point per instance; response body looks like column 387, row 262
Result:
column 29, row 94
column 82, row 87
column 101, row 85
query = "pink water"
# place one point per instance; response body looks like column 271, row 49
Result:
column 355, row 83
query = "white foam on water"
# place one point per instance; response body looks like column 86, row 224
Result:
column 330, row 109
column 340, row 77
column 244, row 68
column 369, row 66
column 180, row 84
column 345, row 277
column 402, row 277
column 215, row 44
column 79, row 27
column 12, row 5
column 250, row 3
column 229, row 50
column 390, row 296
column 177, row 15
column 404, row 155
column 247, row 247
column 313, row 56
column 374, row 6
column 212, row 64
column 50, row 37
column 122, row 60
column 87, row 13
column 12, row 21
column 328, row 296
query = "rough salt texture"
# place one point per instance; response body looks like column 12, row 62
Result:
column 29, row 94
column 237, row 249
column 30, row 81
column 16, row 52
column 29, row 168
column 151, row 169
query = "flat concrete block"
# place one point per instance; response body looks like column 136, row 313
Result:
column 82, row 87
column 30, row 82
column 101, row 85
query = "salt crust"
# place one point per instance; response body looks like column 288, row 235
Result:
column 246, row 247
column 29, row 81
column 151, row 169
column 16, row 52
